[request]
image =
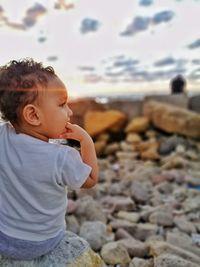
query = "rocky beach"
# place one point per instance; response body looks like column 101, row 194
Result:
column 145, row 210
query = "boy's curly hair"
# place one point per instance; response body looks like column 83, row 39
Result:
column 19, row 81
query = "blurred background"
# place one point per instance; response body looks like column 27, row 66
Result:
column 106, row 47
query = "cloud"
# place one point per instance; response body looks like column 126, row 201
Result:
column 30, row 19
column 146, row 2
column 196, row 61
column 32, row 15
column 163, row 16
column 141, row 23
column 60, row 4
column 165, row 62
column 113, row 74
column 89, row 25
column 92, row 78
column 15, row 26
column 195, row 75
column 127, row 63
column 86, row 68
column 138, row 24
column 52, row 58
column 194, row 45
column 2, row 17
column 1, row 10
column 120, row 64
column 42, row 39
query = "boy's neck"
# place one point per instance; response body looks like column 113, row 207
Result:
column 31, row 132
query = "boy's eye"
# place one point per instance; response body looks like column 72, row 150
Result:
column 63, row 104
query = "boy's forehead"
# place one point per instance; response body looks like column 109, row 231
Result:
column 57, row 87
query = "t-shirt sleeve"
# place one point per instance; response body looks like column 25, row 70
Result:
column 73, row 172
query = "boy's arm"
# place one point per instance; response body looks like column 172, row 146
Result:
column 88, row 153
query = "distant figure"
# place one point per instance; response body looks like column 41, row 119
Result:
column 178, row 85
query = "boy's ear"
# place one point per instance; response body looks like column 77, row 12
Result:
column 31, row 115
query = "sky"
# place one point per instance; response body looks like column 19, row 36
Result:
column 106, row 47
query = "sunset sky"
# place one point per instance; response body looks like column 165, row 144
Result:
column 101, row 47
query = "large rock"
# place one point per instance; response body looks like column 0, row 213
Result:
column 115, row 253
column 173, row 119
column 138, row 125
column 158, row 248
column 170, row 260
column 96, row 122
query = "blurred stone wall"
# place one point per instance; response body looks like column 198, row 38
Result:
column 132, row 108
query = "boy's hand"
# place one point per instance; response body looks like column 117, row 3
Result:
column 87, row 151
column 75, row 132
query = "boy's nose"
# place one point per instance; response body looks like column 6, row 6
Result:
column 70, row 112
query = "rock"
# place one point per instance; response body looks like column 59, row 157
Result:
column 122, row 234
column 184, row 225
column 72, row 224
column 111, row 148
column 115, row 253
column 137, row 262
column 97, row 122
column 183, row 241
column 99, row 147
column 168, row 145
column 160, row 178
column 173, row 119
column 123, row 224
column 133, row 138
column 139, row 192
column 192, row 204
column 118, row 203
column 107, row 175
column 159, row 248
column 170, row 260
column 174, row 161
column 161, row 218
column 135, row 247
column 150, row 154
column 143, row 231
column 129, row 216
column 89, row 210
column 96, row 234
column 137, row 125
column 165, row 188
column 71, row 207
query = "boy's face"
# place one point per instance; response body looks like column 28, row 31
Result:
column 55, row 112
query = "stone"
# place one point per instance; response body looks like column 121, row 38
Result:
column 99, row 147
column 137, row 125
column 170, row 260
column 97, row 122
column 96, row 234
column 139, row 192
column 183, row 241
column 143, row 231
column 115, row 253
column 72, row 224
column 137, row 262
column 159, row 248
column 184, row 225
column 118, row 203
column 161, row 218
column 173, row 119
column 135, row 247
column 129, row 216
column 133, row 138
column 89, row 210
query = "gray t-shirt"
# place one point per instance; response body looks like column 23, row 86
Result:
column 34, row 176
